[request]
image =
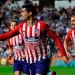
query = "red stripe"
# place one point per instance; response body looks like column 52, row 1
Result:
column 36, row 53
column 14, row 41
column 18, row 38
column 26, row 31
column 45, row 46
column 41, row 52
column 30, row 31
column 27, row 54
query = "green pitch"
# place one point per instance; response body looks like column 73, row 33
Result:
column 7, row 70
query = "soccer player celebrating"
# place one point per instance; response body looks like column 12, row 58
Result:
column 34, row 35
column 16, row 47
column 70, row 37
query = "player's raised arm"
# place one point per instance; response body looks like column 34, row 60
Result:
column 10, row 34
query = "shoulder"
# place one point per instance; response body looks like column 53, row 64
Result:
column 42, row 23
column 20, row 25
column 23, row 22
column 70, row 31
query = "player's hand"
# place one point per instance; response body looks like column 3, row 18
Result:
column 23, row 56
column 68, row 54
column 65, row 58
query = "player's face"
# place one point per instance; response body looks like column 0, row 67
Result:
column 73, row 21
column 25, row 15
column 13, row 25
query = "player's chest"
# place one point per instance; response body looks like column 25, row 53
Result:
column 33, row 33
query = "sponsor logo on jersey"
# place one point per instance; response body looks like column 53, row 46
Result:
column 31, row 39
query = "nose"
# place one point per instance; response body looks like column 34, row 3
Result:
column 21, row 14
column 14, row 27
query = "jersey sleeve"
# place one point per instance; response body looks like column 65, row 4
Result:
column 11, row 33
column 67, row 37
column 54, row 36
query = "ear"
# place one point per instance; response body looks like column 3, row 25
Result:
column 30, row 13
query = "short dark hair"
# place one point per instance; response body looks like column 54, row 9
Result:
column 15, row 21
column 30, row 8
column 73, row 15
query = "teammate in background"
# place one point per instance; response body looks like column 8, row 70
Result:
column 70, row 37
column 34, row 35
column 16, row 47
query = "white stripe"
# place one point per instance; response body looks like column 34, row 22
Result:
column 23, row 29
column 19, row 58
column 33, row 52
column 13, row 41
column 17, row 40
column 43, row 50
column 29, row 54
column 24, row 25
column 33, row 31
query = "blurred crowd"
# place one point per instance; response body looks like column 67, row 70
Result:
column 59, row 21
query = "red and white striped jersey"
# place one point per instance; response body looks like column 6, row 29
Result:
column 71, row 36
column 35, row 39
column 16, row 43
column 35, row 42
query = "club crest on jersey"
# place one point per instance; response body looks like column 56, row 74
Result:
column 20, row 40
column 36, row 31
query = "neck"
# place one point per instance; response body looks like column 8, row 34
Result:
column 31, row 21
